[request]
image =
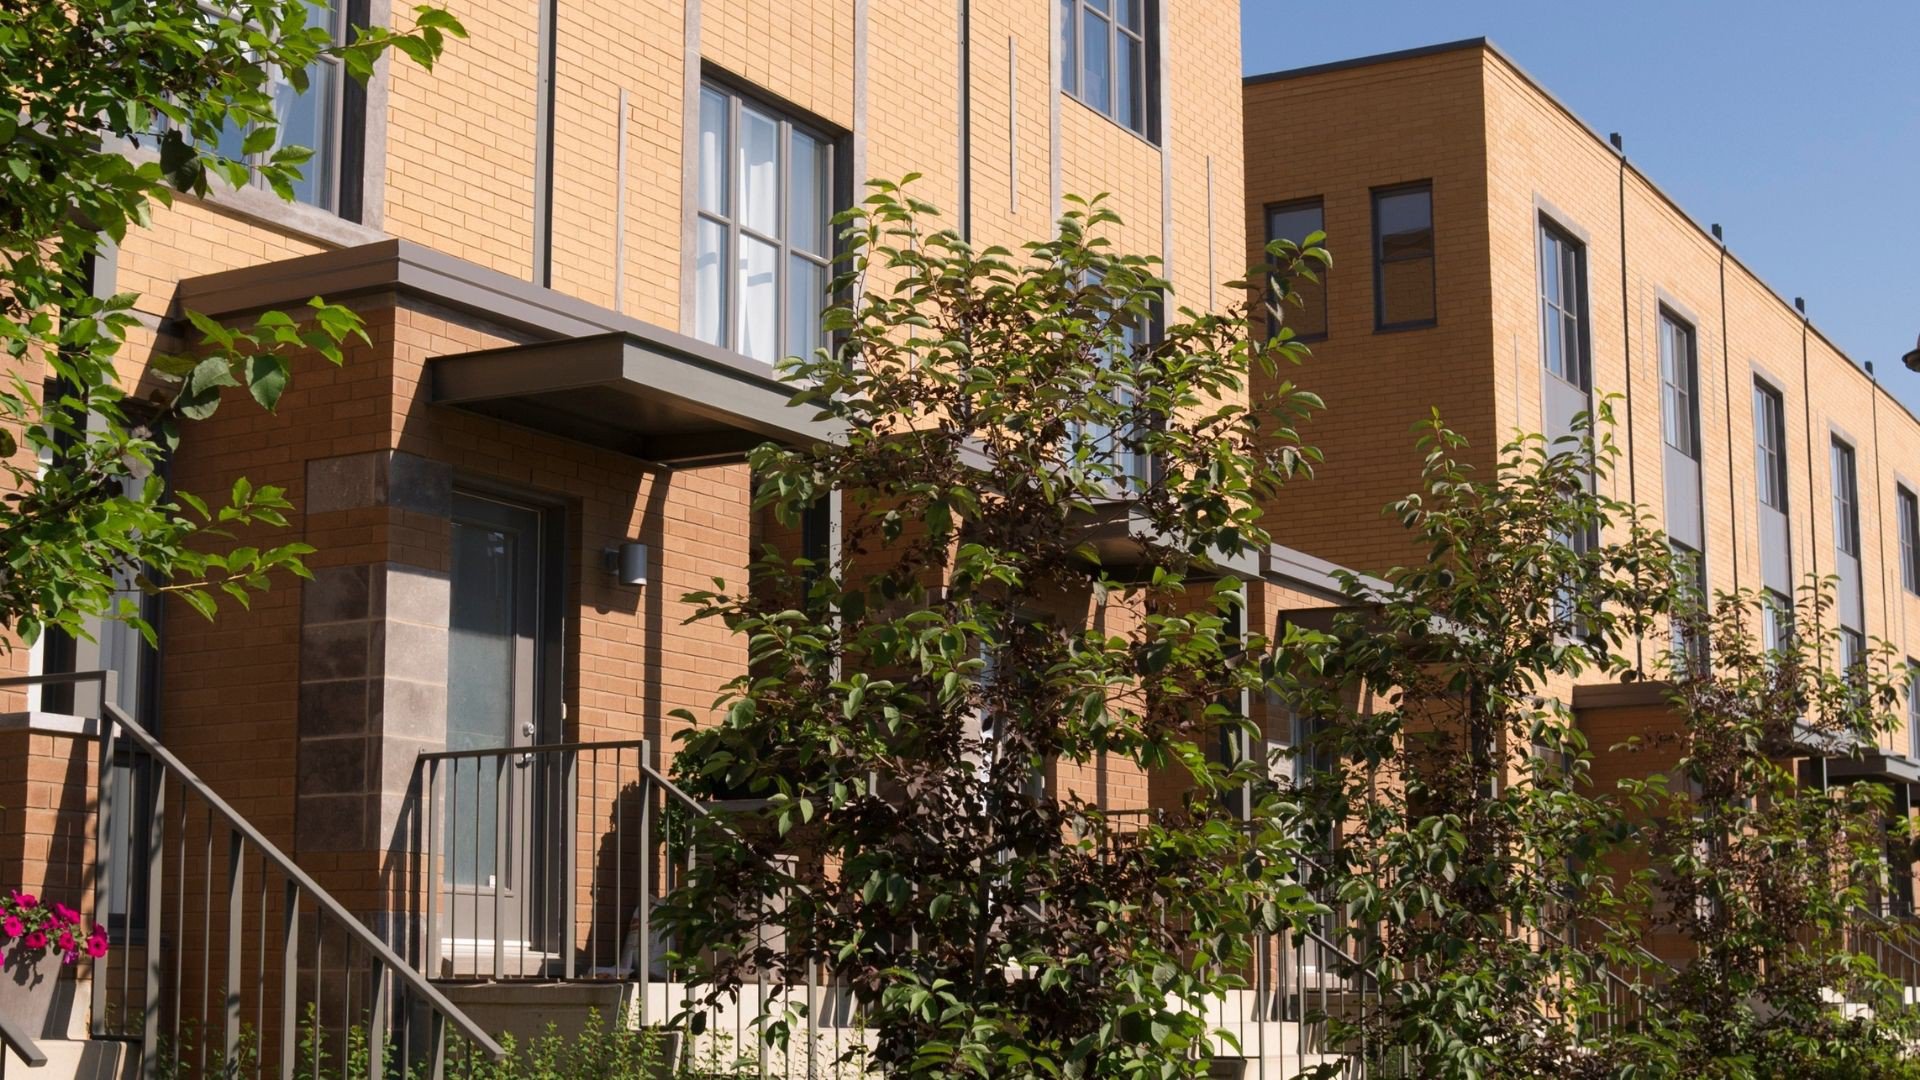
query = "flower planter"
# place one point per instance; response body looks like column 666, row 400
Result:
column 27, row 989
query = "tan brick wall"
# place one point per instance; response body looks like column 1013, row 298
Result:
column 460, row 141
column 1501, row 153
column 458, row 176
column 1336, row 136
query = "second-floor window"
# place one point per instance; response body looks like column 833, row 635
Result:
column 1776, row 621
column 1846, row 502
column 1909, row 509
column 1913, row 708
column 1296, row 221
column 311, row 117
column 1403, row 257
column 1853, row 654
column 1104, row 59
column 1679, row 386
column 762, row 241
column 1563, row 306
column 1770, row 447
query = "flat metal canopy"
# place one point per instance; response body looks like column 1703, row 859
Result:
column 1122, row 537
column 630, row 394
column 1882, row 765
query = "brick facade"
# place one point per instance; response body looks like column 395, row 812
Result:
column 1502, row 155
column 308, row 710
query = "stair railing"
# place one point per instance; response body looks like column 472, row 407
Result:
column 228, row 957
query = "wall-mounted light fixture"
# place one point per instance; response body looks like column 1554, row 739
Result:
column 628, row 562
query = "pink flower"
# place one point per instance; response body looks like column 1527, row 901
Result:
column 24, row 899
column 97, row 946
column 66, row 914
column 66, row 943
column 13, row 926
column 36, row 940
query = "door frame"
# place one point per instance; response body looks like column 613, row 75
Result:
column 551, row 588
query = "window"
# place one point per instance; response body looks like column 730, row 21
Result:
column 1853, row 654
column 1403, row 257
column 1110, row 444
column 1104, row 59
column 1909, row 537
column 762, row 240
column 1679, row 386
column 1296, row 221
column 1581, row 541
column 311, row 118
column 1770, row 446
column 1563, row 306
column 1776, row 624
column 1846, row 502
column 1692, row 569
column 1913, row 708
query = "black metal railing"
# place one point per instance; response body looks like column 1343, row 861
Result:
column 228, row 959
column 545, row 862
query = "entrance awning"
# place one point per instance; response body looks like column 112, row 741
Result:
column 630, row 394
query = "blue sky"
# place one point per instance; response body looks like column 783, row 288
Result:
column 1795, row 126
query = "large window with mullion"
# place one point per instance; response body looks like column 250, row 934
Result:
column 1909, row 511
column 1104, row 59
column 1770, row 446
column 1121, row 444
column 762, row 232
column 1679, row 386
column 1563, row 306
column 1846, row 501
column 312, row 115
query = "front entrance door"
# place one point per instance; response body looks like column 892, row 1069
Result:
column 494, row 653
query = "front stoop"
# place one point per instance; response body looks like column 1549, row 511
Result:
column 73, row 1052
column 525, row 1009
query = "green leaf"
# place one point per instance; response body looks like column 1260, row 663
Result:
column 199, row 395
column 267, row 379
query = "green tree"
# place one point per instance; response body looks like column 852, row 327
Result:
column 916, row 709
column 1463, row 843
column 1497, row 909
column 114, row 106
column 1767, row 879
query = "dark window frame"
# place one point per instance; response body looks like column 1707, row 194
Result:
column 1770, row 453
column 1913, row 708
column 788, row 118
column 1846, row 497
column 1907, row 508
column 1432, row 259
column 343, row 149
column 1682, row 400
column 1580, row 366
column 1777, row 626
column 1317, row 203
column 1073, row 58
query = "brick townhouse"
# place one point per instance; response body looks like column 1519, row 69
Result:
column 578, row 246
column 1500, row 260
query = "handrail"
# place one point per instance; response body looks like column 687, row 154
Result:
column 23, row 1047
column 536, row 748
column 322, row 899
